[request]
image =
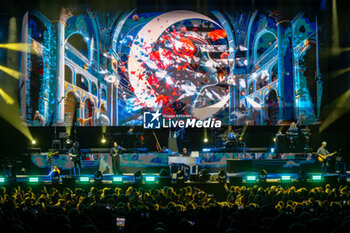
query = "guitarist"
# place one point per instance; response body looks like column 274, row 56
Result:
column 323, row 155
column 114, row 153
column 74, row 154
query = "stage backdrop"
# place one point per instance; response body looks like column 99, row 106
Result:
column 108, row 68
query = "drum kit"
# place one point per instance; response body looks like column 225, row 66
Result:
column 231, row 139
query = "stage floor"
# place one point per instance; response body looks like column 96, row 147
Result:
column 128, row 178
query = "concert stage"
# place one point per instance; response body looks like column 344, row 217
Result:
column 212, row 186
column 153, row 162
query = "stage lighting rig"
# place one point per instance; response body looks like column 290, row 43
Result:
column 222, row 176
column 98, row 176
column 138, row 177
column 204, row 175
column 55, row 175
column 2, row 180
column 285, row 178
column 251, row 179
column 302, row 175
column 84, row 179
column 262, row 175
column 180, row 177
column 118, row 179
column 342, row 176
column 33, row 180
column 317, row 178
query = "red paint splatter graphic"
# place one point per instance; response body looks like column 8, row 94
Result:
column 217, row 34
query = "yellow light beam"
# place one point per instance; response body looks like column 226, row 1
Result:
column 13, row 73
column 335, row 35
column 6, row 97
column 20, row 47
column 280, row 129
column 11, row 112
column 342, row 105
column 243, row 132
column 337, row 73
column 334, row 51
column 68, row 130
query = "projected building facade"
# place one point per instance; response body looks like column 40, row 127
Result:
column 240, row 67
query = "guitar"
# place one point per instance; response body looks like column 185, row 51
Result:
column 158, row 146
column 50, row 155
column 74, row 157
column 178, row 132
column 322, row 158
column 118, row 151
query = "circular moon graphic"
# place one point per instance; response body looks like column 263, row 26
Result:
column 143, row 43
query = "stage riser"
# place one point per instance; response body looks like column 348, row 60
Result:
column 37, row 164
column 272, row 166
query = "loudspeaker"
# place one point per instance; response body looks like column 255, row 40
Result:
column 165, row 180
column 234, row 166
column 331, row 179
column 193, row 177
column 236, row 180
column 68, row 180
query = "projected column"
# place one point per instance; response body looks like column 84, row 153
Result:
column 285, row 71
column 65, row 14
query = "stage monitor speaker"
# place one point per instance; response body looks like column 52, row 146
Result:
column 331, row 179
column 282, row 143
column 236, row 180
column 193, row 177
column 234, row 166
column 165, row 180
column 68, row 180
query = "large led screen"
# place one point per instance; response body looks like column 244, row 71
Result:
column 109, row 68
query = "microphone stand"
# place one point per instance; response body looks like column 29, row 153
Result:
column 59, row 102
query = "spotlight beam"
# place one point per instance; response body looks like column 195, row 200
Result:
column 342, row 105
column 335, row 34
column 20, row 47
column 340, row 72
column 334, row 52
column 13, row 73
column 6, row 97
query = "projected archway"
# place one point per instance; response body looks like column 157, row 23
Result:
column 82, row 82
column 68, row 74
column 256, row 112
column 70, row 105
column 88, row 110
column 272, row 107
column 78, row 42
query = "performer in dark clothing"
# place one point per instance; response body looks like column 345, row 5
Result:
column 75, row 156
column 230, row 139
column 184, row 152
column 114, row 152
column 292, row 134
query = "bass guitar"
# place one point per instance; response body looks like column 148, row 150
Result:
column 322, row 158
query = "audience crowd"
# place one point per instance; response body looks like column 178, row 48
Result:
column 188, row 209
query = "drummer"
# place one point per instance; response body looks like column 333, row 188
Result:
column 230, row 137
